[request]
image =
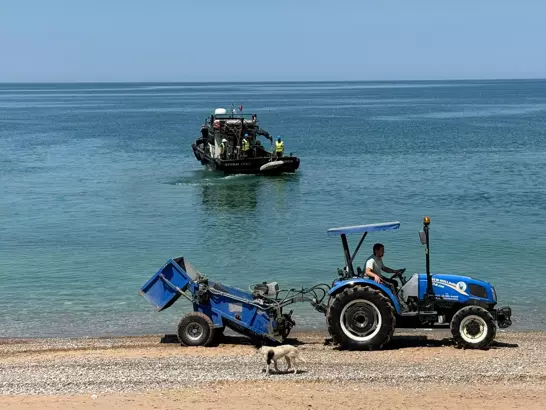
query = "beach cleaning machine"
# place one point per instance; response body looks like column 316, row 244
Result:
column 360, row 313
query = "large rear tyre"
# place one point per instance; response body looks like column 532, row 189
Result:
column 361, row 318
column 195, row 329
column 473, row 327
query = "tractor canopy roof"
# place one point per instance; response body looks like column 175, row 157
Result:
column 385, row 226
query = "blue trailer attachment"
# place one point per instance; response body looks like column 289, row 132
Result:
column 256, row 313
column 169, row 283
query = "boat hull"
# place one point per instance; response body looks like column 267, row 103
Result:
column 251, row 165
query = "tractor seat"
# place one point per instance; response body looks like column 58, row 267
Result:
column 360, row 273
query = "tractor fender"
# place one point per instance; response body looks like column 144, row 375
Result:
column 340, row 286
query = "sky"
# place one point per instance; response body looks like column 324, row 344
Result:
column 281, row 40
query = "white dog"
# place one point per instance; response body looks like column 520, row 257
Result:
column 274, row 353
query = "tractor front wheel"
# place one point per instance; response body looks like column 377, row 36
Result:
column 473, row 327
column 195, row 329
column 360, row 318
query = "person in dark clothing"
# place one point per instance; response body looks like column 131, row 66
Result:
column 204, row 132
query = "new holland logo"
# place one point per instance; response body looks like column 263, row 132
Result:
column 459, row 287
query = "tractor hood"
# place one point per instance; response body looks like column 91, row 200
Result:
column 458, row 287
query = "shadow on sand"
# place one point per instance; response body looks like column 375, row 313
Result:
column 406, row 342
column 228, row 340
column 397, row 342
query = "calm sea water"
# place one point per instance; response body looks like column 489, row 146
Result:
column 99, row 187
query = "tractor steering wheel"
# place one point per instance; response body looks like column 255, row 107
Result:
column 399, row 274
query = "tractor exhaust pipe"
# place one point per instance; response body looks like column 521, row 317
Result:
column 426, row 223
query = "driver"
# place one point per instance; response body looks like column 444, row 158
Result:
column 374, row 266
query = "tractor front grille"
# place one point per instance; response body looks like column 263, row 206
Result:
column 477, row 290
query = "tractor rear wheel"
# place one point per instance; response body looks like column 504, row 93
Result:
column 361, row 317
column 473, row 327
column 195, row 329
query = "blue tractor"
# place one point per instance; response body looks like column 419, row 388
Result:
column 363, row 314
column 360, row 313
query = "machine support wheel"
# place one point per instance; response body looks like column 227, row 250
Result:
column 361, row 317
column 473, row 327
column 195, row 329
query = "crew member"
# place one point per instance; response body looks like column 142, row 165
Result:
column 223, row 149
column 245, row 146
column 279, row 147
column 204, row 132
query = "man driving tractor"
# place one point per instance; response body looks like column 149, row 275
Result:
column 374, row 266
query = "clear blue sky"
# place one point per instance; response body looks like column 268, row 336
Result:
column 240, row 40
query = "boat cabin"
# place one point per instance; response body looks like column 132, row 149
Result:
column 232, row 127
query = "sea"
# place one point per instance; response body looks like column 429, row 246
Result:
column 99, row 187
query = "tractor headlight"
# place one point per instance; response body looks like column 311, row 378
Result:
column 494, row 293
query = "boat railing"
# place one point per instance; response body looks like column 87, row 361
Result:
column 235, row 116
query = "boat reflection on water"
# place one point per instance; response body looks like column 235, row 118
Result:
column 237, row 217
column 231, row 195
column 243, row 192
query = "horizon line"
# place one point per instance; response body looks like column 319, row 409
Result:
column 270, row 81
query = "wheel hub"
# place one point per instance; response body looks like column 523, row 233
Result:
column 360, row 319
column 473, row 329
column 194, row 331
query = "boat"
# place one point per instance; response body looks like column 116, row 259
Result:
column 230, row 129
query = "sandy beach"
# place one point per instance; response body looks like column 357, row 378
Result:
column 156, row 372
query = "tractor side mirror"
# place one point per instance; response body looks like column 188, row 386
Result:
column 423, row 238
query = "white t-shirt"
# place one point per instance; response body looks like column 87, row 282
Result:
column 375, row 264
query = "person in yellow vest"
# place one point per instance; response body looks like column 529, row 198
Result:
column 245, row 148
column 279, row 147
column 223, row 149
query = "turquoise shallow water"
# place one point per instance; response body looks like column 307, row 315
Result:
column 99, row 187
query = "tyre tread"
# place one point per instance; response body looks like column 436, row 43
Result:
column 478, row 311
column 208, row 323
column 382, row 338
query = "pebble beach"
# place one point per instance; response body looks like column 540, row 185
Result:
column 155, row 371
